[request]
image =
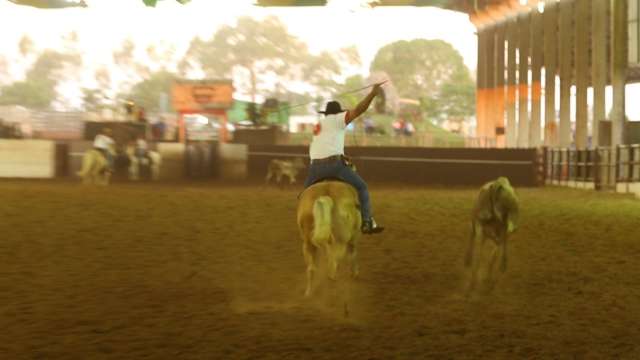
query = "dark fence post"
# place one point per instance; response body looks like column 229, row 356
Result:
column 597, row 180
column 540, row 165
column 617, row 164
column 636, row 163
column 631, row 161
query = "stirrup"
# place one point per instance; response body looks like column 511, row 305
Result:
column 371, row 227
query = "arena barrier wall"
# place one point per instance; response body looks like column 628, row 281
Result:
column 34, row 159
column 446, row 166
column 234, row 161
column 173, row 160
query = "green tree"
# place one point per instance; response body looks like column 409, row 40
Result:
column 431, row 71
column 50, row 4
column 26, row 46
column 35, row 94
column 457, row 96
column 4, row 69
column 133, row 71
column 161, row 56
column 344, row 92
column 148, row 92
column 98, row 98
column 93, row 99
column 261, row 49
column 38, row 89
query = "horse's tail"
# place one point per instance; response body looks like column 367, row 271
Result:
column 322, row 209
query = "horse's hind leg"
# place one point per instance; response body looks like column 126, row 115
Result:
column 309, row 252
column 155, row 171
column 279, row 179
column 133, row 168
column 269, row 176
column 353, row 258
column 106, row 178
column 102, row 173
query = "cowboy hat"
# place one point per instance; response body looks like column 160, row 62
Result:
column 333, row 107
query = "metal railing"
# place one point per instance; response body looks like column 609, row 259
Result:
column 418, row 139
column 602, row 166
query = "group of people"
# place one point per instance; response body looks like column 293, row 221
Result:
column 403, row 127
column 105, row 144
column 9, row 131
column 326, row 152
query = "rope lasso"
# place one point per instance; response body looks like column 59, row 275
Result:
column 338, row 95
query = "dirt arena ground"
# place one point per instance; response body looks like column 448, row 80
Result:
column 216, row 272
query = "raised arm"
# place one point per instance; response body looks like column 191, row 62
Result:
column 364, row 104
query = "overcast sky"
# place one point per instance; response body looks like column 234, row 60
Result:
column 106, row 23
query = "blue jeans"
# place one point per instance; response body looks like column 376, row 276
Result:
column 338, row 170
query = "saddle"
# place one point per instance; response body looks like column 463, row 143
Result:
column 327, row 179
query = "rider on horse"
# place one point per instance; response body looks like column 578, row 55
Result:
column 327, row 154
column 104, row 143
column 142, row 150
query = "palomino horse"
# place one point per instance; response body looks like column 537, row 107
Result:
column 495, row 215
column 329, row 219
column 135, row 164
column 94, row 168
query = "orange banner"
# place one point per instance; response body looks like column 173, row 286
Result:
column 202, row 95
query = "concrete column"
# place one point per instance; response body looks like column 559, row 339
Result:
column 599, row 63
column 490, row 111
column 480, row 86
column 619, row 64
column 499, row 96
column 523, row 80
column 512, row 43
column 581, row 16
column 550, row 71
column 566, row 74
column 535, row 136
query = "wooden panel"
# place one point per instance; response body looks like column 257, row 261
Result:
column 27, row 159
